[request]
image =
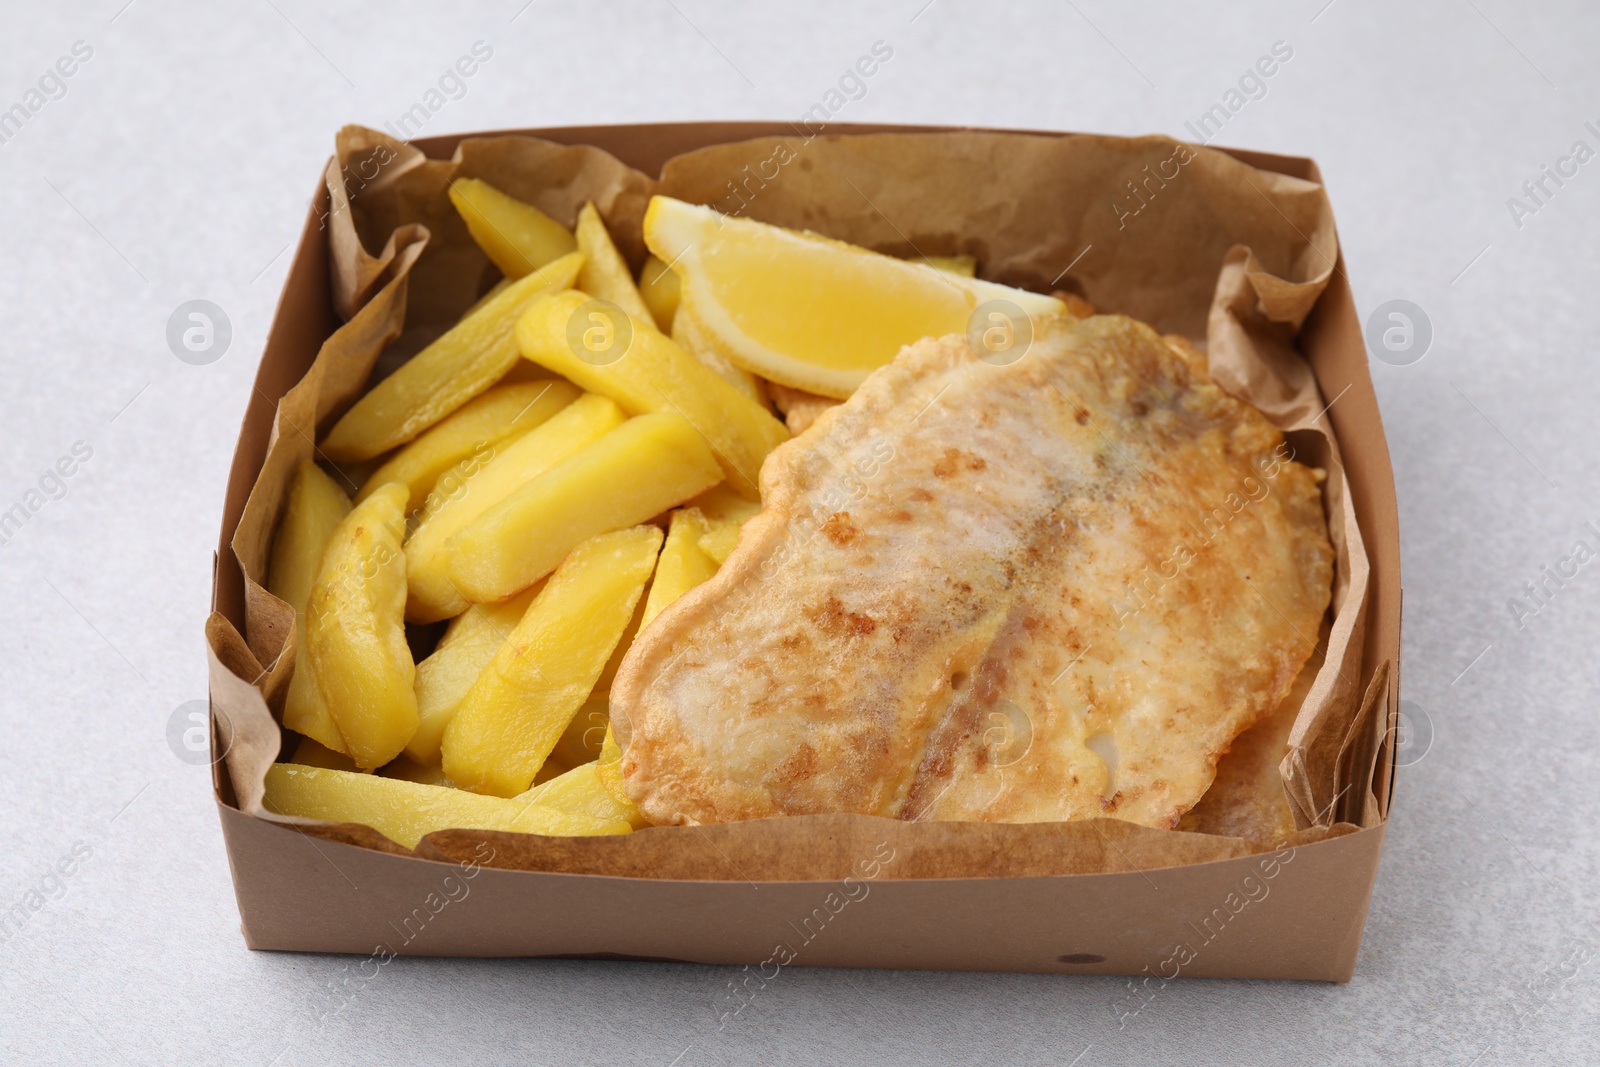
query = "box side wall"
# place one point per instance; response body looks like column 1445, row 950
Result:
column 1332, row 340
column 297, row 892
column 1295, row 914
column 303, row 319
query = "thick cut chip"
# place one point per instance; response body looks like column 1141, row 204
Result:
column 605, row 274
column 473, row 493
column 609, row 767
column 654, row 374
column 518, row 708
column 445, row 676
column 658, row 285
column 683, row 565
column 805, row 310
column 680, row 567
column 355, row 630
column 316, row 507
column 719, row 540
column 581, row 792
column 405, row 811
column 1053, row 589
column 723, row 502
column 504, row 412
column 580, row 742
column 471, row 356
column 635, row 472
column 518, row 237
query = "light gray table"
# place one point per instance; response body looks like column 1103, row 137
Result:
column 174, row 164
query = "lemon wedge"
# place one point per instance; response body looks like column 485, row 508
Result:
column 805, row 310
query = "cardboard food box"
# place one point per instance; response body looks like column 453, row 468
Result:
column 1236, row 248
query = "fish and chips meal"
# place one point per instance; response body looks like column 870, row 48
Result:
column 780, row 525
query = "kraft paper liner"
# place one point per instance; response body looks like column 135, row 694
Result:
column 806, row 848
column 410, row 188
column 1252, row 355
column 1035, row 210
column 335, row 379
column 1030, row 206
column 1358, row 756
column 246, row 730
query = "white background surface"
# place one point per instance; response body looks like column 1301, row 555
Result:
column 177, row 166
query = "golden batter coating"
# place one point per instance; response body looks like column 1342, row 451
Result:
column 1246, row 799
column 1052, row 589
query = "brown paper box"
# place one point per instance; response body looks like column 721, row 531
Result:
column 1093, row 897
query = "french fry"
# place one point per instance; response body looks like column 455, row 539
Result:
column 683, row 565
column 719, row 540
column 659, row 288
column 580, row 742
column 316, row 507
column 432, row 594
column 630, row 475
column 405, row 811
column 509, row 721
column 518, row 237
column 503, row 413
column 470, row 357
column 656, row 375
column 609, row 768
column 723, row 502
column 678, row 570
column 581, row 792
column 605, row 275
column 444, row 677
column 355, row 630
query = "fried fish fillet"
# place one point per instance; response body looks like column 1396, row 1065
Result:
column 1246, row 799
column 1052, row 589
